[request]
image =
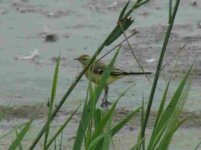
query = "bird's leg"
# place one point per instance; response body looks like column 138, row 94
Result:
column 105, row 102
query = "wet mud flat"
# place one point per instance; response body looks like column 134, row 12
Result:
column 40, row 112
column 16, row 116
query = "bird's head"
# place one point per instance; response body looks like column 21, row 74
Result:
column 83, row 59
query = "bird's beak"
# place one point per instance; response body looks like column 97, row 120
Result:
column 76, row 58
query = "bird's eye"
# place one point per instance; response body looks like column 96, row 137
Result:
column 84, row 58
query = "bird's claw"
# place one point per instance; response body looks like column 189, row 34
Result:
column 105, row 104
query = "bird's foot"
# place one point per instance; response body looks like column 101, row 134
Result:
column 105, row 104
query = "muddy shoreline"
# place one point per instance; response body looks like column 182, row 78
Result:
column 40, row 112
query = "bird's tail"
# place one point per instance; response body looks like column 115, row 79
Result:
column 136, row 73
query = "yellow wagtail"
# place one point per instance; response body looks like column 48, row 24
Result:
column 96, row 70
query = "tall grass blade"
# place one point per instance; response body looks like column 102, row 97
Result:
column 11, row 131
column 104, row 121
column 61, row 141
column 137, row 146
column 165, row 141
column 124, row 20
column 162, row 104
column 20, row 136
column 84, row 122
column 90, row 91
column 97, row 117
column 55, row 144
column 155, row 82
column 197, row 147
column 117, row 32
column 53, row 94
column 140, row 142
column 107, row 137
column 165, row 117
column 142, row 122
column 108, row 115
column 20, row 144
column 54, row 84
column 114, row 129
column 62, row 128
column 174, row 123
column 136, row 5
column 121, row 16
column 95, row 141
column 170, row 10
column 122, row 123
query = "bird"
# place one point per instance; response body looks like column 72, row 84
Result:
column 34, row 54
column 96, row 71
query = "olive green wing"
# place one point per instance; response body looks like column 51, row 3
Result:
column 100, row 69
